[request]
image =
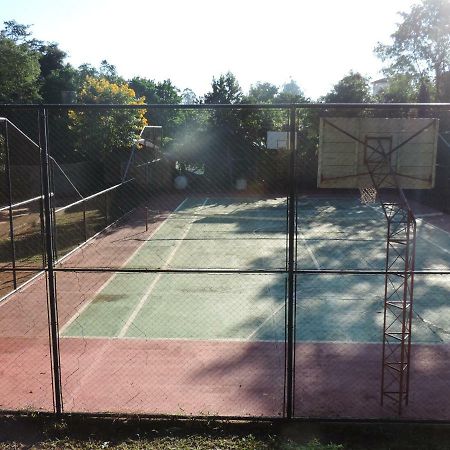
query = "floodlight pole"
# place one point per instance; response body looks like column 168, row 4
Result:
column 51, row 281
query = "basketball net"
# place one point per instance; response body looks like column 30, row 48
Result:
column 368, row 194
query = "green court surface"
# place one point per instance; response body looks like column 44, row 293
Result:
column 249, row 234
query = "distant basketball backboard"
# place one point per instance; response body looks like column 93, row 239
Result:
column 151, row 136
column 277, row 140
column 405, row 146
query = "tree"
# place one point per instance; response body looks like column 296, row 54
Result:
column 353, row 88
column 109, row 72
column 261, row 93
column 163, row 92
column 189, row 97
column 291, row 93
column 85, row 70
column 57, row 82
column 400, row 88
column 51, row 58
column 445, row 91
column 225, row 90
column 19, row 72
column 256, row 123
column 56, row 76
column 19, row 34
column 102, row 132
column 421, row 44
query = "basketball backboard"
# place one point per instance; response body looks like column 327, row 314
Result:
column 405, row 146
column 277, row 140
column 151, row 136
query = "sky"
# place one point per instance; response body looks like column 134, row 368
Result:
column 314, row 42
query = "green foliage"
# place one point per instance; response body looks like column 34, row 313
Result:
column 189, row 97
column 19, row 72
column 290, row 93
column 353, row 88
column 163, row 92
column 445, row 87
column 19, row 34
column 100, row 132
column 57, row 82
column 225, row 90
column 400, row 88
column 261, row 93
column 256, row 123
column 156, row 92
column 421, row 44
column 312, row 445
column 109, row 72
column 51, row 59
column 56, row 76
column 87, row 70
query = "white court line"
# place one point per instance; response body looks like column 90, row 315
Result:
column 242, row 340
column 419, row 216
column 264, row 322
column 311, row 253
column 83, row 307
column 147, row 293
column 426, row 224
column 170, row 339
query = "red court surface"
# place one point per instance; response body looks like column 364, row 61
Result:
column 192, row 377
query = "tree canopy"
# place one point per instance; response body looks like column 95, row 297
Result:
column 421, row 44
column 353, row 88
column 101, row 132
column 224, row 90
column 19, row 72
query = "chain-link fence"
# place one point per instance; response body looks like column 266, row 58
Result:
column 217, row 260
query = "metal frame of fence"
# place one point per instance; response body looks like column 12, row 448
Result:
column 49, row 213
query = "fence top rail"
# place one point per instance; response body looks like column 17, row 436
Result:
column 9, row 123
column 25, row 202
column 90, row 197
column 316, row 105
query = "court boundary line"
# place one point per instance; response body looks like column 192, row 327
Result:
column 84, row 305
column 436, row 214
column 237, row 340
column 274, row 313
column 310, row 251
column 150, row 289
column 426, row 224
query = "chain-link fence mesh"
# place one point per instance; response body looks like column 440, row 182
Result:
column 183, row 260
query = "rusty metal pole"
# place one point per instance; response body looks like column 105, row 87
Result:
column 51, row 280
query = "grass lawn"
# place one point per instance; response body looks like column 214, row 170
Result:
column 34, row 432
column 28, row 240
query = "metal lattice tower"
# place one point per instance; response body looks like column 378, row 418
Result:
column 399, row 276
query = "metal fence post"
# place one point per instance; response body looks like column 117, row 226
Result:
column 106, row 209
column 10, row 200
column 290, row 369
column 51, row 282
column 84, row 222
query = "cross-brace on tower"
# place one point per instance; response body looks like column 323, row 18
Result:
column 379, row 159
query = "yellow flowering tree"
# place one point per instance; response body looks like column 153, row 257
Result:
column 101, row 131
